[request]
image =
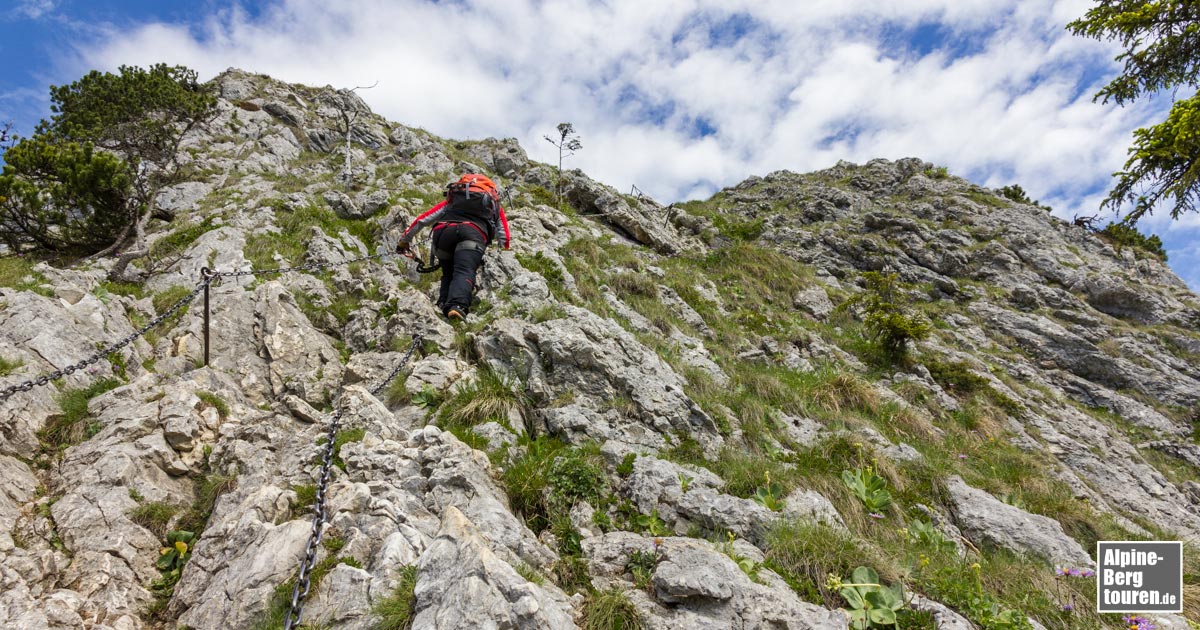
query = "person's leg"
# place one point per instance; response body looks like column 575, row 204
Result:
column 446, row 256
column 466, row 263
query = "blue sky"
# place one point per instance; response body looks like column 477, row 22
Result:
column 678, row 97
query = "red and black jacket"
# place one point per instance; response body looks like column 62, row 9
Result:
column 443, row 213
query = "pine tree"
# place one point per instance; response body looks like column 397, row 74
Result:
column 1162, row 52
column 86, row 181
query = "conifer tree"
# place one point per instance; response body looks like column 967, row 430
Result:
column 86, row 181
column 1162, row 53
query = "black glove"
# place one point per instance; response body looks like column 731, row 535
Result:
column 402, row 246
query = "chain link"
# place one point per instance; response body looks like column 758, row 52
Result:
column 303, row 580
column 116, row 347
column 308, row 267
column 208, row 278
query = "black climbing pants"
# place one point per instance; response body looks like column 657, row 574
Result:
column 459, row 247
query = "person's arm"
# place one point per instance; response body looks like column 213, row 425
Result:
column 422, row 222
column 504, row 222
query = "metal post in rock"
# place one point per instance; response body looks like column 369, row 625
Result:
column 206, row 276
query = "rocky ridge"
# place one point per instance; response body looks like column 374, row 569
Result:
column 595, row 438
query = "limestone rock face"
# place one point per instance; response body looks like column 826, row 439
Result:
column 988, row 521
column 462, row 584
column 631, row 380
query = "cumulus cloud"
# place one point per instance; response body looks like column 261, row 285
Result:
column 682, row 97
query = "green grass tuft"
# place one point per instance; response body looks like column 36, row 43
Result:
column 67, row 428
column 395, row 611
column 611, row 610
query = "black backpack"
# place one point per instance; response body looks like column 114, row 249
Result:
column 465, row 202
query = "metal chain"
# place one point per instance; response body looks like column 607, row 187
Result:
column 71, row 369
column 208, row 278
column 308, row 267
column 300, row 591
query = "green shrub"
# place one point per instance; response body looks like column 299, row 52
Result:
column 344, row 437
column 575, row 478
column 1017, row 194
column 1122, row 235
column 956, row 377
column 306, row 495
column 611, row 610
column 888, row 316
column 395, row 611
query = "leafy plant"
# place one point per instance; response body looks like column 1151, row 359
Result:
column 177, row 552
column 427, row 398
column 641, row 566
column 746, row 564
column 685, row 482
column 652, row 524
column 871, row 603
column 926, row 535
column 770, row 495
column 869, row 487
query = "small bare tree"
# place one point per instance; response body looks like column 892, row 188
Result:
column 350, row 109
column 567, row 144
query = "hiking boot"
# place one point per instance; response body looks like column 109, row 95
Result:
column 454, row 314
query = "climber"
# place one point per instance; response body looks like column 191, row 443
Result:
column 464, row 224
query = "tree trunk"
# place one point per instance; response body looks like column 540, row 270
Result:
column 120, row 271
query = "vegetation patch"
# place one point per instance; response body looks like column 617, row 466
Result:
column 68, row 428
column 8, row 367
column 611, row 610
column 154, row 516
column 490, row 396
column 395, row 611
column 17, row 272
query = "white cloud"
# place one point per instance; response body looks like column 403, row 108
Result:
column 636, row 76
column 33, row 9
